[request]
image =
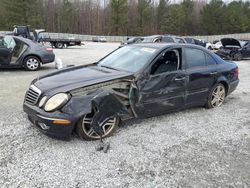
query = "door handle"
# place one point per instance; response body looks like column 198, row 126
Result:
column 180, row 78
column 212, row 73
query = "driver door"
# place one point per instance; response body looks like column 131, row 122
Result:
column 161, row 89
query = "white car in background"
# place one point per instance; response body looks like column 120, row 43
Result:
column 217, row 45
column 208, row 44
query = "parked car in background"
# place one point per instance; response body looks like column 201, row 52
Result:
column 163, row 39
column 180, row 40
column 152, row 38
column 234, row 49
column 208, row 45
column 200, row 42
column 217, row 45
column 17, row 52
column 99, row 39
column 136, row 81
column 133, row 40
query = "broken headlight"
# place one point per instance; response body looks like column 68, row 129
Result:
column 56, row 102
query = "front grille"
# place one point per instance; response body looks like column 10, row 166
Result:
column 32, row 95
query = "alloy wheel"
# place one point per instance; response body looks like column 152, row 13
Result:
column 218, row 96
column 107, row 127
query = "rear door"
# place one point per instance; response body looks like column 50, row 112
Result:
column 201, row 69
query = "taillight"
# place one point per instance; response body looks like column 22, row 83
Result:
column 237, row 72
column 49, row 49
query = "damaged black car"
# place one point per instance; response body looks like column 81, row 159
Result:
column 234, row 49
column 135, row 81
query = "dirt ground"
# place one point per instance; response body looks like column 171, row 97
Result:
column 192, row 148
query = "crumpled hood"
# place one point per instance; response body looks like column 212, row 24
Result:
column 76, row 77
column 230, row 42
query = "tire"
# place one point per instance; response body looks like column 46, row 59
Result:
column 237, row 57
column 59, row 45
column 85, row 132
column 31, row 63
column 216, row 96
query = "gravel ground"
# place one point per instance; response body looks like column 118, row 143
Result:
column 191, row 148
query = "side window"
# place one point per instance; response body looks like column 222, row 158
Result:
column 210, row 60
column 194, row 58
column 168, row 61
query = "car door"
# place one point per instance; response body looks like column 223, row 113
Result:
column 201, row 69
column 158, row 92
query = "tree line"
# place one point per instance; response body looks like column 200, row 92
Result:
column 128, row 17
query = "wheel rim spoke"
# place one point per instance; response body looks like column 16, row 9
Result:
column 218, row 96
column 32, row 64
column 107, row 127
column 91, row 132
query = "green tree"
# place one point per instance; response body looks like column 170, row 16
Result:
column 66, row 17
column 144, row 15
column 213, row 17
column 119, row 9
column 161, row 15
column 187, row 9
column 174, row 21
column 237, row 19
column 22, row 12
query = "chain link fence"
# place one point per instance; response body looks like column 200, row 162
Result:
column 209, row 38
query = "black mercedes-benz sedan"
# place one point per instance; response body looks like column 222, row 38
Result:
column 135, row 81
column 18, row 52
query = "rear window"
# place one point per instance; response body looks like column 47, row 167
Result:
column 194, row 58
column 210, row 60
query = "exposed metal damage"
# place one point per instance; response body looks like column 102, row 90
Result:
column 109, row 99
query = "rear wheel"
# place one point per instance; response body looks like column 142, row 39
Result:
column 216, row 96
column 85, row 130
column 31, row 63
column 59, row 45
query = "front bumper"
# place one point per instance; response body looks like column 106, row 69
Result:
column 45, row 122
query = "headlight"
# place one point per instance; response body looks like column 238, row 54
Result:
column 42, row 101
column 56, row 101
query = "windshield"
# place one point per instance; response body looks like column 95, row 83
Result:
column 128, row 58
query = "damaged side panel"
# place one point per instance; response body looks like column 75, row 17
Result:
column 110, row 99
column 158, row 94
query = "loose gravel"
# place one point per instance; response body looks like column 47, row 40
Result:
column 192, row 148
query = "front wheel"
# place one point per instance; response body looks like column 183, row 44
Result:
column 216, row 96
column 31, row 63
column 85, row 130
